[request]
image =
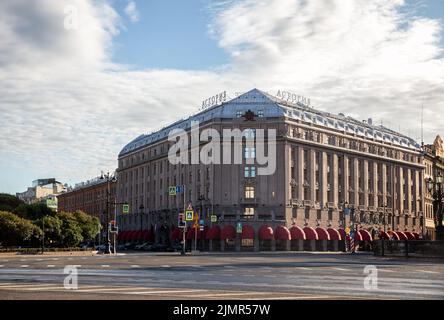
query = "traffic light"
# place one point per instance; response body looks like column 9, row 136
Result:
column 181, row 222
column 113, row 226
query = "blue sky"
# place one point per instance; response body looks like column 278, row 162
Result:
column 169, row 34
column 71, row 99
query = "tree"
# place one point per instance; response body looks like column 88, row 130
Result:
column 15, row 230
column 71, row 231
column 9, row 202
column 88, row 224
column 53, row 230
column 33, row 211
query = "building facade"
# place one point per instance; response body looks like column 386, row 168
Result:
column 326, row 165
column 43, row 190
column 91, row 198
column 434, row 164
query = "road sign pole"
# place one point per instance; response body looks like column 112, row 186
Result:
column 185, row 228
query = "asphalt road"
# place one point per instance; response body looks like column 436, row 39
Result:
column 295, row 275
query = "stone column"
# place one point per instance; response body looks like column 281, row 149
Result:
column 300, row 173
column 345, row 184
column 312, row 173
column 273, row 244
column 335, row 245
column 324, row 245
column 300, row 245
column 356, row 181
column 409, row 190
column 324, row 178
column 312, row 245
column 334, row 181
column 417, row 194
column 256, row 243
column 376, row 179
column 287, row 245
column 400, row 199
column 365, row 187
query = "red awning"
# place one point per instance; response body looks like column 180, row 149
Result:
column 310, row 233
column 248, row 232
column 416, row 235
column 342, row 233
column 410, row 235
column 366, row 236
column 297, row 233
column 131, row 236
column 393, row 235
column 282, row 233
column 334, row 234
column 322, row 234
column 265, row 233
column 401, row 235
column 358, row 236
column 228, row 233
column 176, row 234
column 120, row 235
column 384, row 235
column 213, row 233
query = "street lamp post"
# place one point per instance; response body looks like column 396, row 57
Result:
column 109, row 178
column 345, row 210
column 437, row 188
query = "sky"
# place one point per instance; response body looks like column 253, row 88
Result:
column 79, row 79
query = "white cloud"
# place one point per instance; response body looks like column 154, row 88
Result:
column 132, row 12
column 67, row 109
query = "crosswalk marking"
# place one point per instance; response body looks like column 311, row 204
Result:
column 166, row 266
column 50, row 266
column 24, row 266
column 105, row 266
column 135, row 266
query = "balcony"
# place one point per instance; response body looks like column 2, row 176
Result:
column 361, row 208
column 308, row 203
column 371, row 208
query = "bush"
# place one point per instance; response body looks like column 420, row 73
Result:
column 15, row 230
column 9, row 202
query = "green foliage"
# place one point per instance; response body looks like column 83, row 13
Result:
column 9, row 202
column 33, row 211
column 88, row 224
column 71, row 230
column 15, row 230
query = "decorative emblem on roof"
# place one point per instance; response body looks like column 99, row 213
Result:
column 249, row 115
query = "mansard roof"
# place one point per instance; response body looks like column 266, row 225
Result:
column 272, row 106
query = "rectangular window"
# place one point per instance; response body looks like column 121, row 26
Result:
column 249, row 211
column 249, row 192
column 260, row 113
column 238, row 114
column 250, row 153
column 250, row 172
column 250, row 133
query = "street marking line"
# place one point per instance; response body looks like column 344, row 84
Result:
column 24, row 266
column 386, row 270
column 50, row 266
column 226, row 294
column 426, row 271
column 105, row 265
column 341, row 269
column 24, row 286
column 304, row 268
column 135, row 266
column 166, row 266
column 1, row 265
column 165, row 291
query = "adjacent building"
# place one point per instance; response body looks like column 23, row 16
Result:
column 326, row 166
column 91, row 198
column 43, row 190
column 434, row 164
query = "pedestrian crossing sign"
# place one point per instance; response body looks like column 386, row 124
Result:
column 172, row 190
column 125, row 208
column 189, row 215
